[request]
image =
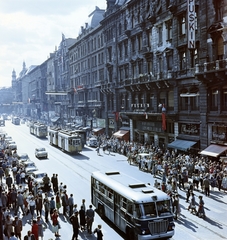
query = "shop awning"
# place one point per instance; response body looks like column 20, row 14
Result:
column 95, row 130
column 214, row 150
column 182, row 145
column 120, row 134
column 55, row 119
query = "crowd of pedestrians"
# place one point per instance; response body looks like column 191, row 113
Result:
column 22, row 199
column 173, row 171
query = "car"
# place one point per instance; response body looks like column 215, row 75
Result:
column 12, row 145
column 92, row 142
column 37, row 177
column 23, row 157
column 41, row 153
column 28, row 163
column 29, row 170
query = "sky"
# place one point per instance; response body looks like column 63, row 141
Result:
column 31, row 29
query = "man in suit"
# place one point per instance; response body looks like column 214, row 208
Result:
column 29, row 236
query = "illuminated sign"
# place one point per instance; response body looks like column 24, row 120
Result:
column 191, row 24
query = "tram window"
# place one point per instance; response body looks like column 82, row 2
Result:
column 124, row 203
column 163, row 207
column 130, row 207
column 70, row 142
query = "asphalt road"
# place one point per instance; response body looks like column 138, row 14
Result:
column 75, row 172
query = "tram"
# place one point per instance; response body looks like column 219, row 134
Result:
column 53, row 136
column 69, row 141
column 16, row 120
column 38, row 129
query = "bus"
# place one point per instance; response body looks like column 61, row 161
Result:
column 16, row 120
column 53, row 136
column 69, row 141
column 137, row 209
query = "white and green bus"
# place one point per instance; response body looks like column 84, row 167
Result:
column 137, row 209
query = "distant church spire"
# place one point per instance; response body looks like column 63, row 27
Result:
column 24, row 66
column 14, row 75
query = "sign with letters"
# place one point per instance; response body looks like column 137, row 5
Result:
column 191, row 24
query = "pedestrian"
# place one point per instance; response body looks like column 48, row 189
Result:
column 55, row 224
column 39, row 205
column 58, row 201
column 12, row 236
column 29, row 236
column 224, row 182
column 52, row 205
column 75, row 224
column 46, row 209
column 18, row 227
column 83, row 204
column 35, row 229
column 8, row 227
column 71, row 204
column 9, row 181
column 98, row 231
column 90, row 214
column 206, row 184
column 1, row 174
column 31, row 205
column 64, row 200
column 22, row 177
column 192, row 205
column 82, row 218
column 46, row 182
column 40, row 227
column 54, row 181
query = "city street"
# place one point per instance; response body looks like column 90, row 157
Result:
column 75, row 172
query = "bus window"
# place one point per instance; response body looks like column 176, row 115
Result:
column 163, row 207
column 137, row 212
column 149, row 209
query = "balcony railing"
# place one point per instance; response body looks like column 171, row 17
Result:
column 218, row 65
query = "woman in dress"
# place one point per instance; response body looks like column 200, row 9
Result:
column 54, row 218
column 35, row 229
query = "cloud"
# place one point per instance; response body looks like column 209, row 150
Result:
column 30, row 30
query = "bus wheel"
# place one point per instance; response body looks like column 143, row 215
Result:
column 130, row 234
column 101, row 211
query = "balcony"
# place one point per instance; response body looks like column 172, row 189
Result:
column 218, row 65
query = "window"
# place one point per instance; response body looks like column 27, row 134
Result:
column 220, row 48
column 140, row 42
column 214, row 99
column 218, row 9
column 133, row 42
column 126, row 71
column 134, row 69
column 182, row 59
column 170, row 104
column 121, row 70
column 119, row 29
column 169, row 30
column 109, row 54
column 148, row 33
column 159, row 35
column 169, row 59
column 141, row 67
column 126, row 47
column 125, row 24
column 120, row 50
column 194, row 57
column 182, row 25
column 224, row 98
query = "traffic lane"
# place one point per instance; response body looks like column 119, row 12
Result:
column 77, row 179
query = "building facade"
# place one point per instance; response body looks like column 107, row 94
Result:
column 154, row 68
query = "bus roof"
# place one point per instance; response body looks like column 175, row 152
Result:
column 129, row 187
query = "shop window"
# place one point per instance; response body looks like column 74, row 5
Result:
column 182, row 58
